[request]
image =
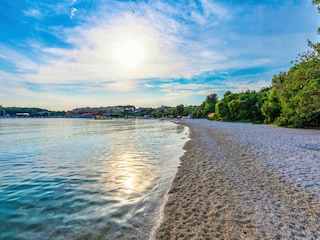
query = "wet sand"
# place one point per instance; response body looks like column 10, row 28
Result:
column 224, row 190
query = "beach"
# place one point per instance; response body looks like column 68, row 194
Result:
column 244, row 181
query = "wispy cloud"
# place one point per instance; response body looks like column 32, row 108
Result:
column 32, row 12
column 178, row 50
column 73, row 13
column 20, row 62
column 93, row 57
column 168, row 53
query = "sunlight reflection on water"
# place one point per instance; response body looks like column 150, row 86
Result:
column 84, row 179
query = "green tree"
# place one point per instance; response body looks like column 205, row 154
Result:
column 244, row 106
column 180, row 109
column 171, row 112
column 223, row 111
column 271, row 107
column 206, row 107
column 299, row 91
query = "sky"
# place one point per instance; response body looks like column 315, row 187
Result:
column 61, row 55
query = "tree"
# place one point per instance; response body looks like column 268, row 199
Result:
column 244, row 106
column 271, row 107
column 210, row 103
column 225, row 107
column 206, row 107
column 297, row 92
column 222, row 110
column 180, row 109
column 212, row 98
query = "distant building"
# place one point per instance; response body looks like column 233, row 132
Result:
column 23, row 115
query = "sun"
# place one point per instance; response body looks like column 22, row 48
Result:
column 128, row 53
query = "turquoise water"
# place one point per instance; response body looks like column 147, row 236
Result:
column 85, row 179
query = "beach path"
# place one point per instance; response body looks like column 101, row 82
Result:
column 224, row 190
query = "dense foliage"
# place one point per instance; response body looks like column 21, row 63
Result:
column 296, row 93
column 293, row 100
column 207, row 106
column 244, row 106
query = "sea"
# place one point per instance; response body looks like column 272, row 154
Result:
column 85, row 179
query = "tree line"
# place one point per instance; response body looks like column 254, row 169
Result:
column 33, row 111
column 292, row 100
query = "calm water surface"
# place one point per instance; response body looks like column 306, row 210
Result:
column 85, row 179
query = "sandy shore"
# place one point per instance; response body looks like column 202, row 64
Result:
column 228, row 187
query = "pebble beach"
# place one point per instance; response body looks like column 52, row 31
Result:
column 244, row 181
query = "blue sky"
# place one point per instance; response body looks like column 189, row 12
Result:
column 62, row 55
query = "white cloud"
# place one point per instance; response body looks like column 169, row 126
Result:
column 8, row 82
column 211, row 14
column 93, row 57
column 168, row 49
column 174, row 90
column 241, row 86
column 19, row 60
column 212, row 8
column 13, row 90
column 32, row 12
column 166, row 52
column 73, row 12
column 115, row 48
column 149, row 86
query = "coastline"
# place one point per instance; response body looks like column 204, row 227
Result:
column 160, row 216
column 224, row 189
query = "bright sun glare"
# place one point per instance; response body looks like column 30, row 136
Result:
column 128, row 53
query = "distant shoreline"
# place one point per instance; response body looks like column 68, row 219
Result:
column 227, row 188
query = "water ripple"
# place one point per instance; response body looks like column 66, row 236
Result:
column 71, row 178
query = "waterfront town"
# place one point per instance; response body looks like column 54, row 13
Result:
column 98, row 112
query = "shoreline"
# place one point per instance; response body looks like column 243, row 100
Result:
column 160, row 216
column 223, row 189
